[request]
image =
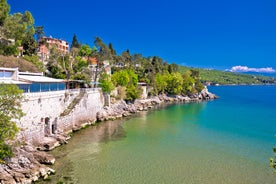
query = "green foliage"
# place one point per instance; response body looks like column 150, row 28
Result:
column 112, row 50
column 81, row 76
column 104, row 53
column 75, row 43
column 60, row 65
column 172, row 68
column 161, row 82
column 199, row 86
column 188, row 82
column 10, row 110
column 85, row 50
column 5, row 151
column 34, row 59
column 125, row 78
column 132, row 92
column 71, row 66
column 175, row 82
column 8, row 50
column 120, row 78
column 39, row 32
column 221, row 77
column 17, row 26
column 29, row 45
column 5, row 9
column 106, row 83
column 133, row 77
column 80, row 64
column 121, row 92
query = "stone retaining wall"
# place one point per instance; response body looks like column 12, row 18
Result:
column 42, row 112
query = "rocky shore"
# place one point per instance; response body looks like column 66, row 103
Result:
column 122, row 109
column 29, row 164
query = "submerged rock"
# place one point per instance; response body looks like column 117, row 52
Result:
column 122, row 109
column 44, row 158
column 27, row 165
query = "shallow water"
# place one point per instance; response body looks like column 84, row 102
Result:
column 228, row 140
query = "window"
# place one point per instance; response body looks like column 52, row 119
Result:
column 24, row 87
column 35, row 87
column 5, row 74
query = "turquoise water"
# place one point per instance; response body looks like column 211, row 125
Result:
column 228, row 140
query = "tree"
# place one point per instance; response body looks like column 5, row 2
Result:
column 85, row 51
column 10, row 110
column 39, row 32
column 120, row 78
column 126, row 58
column 103, row 54
column 175, row 82
column 188, row 82
column 106, row 83
column 112, row 50
column 133, row 92
column 75, row 43
column 29, row 45
column 128, row 79
column 161, row 82
column 5, row 9
column 173, row 68
column 8, row 50
column 195, row 74
column 18, row 25
column 60, row 65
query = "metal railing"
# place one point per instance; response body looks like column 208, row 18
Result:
column 48, row 93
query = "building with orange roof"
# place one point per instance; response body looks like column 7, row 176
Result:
column 46, row 43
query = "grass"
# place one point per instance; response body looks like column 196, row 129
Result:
column 14, row 62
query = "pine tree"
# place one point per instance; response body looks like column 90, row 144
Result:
column 75, row 43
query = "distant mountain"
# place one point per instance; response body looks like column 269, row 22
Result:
column 258, row 73
column 209, row 76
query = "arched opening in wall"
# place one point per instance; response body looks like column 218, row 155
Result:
column 54, row 126
column 47, row 127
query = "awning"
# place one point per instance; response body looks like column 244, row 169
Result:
column 31, row 78
column 9, row 81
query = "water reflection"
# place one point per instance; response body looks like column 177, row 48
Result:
column 84, row 146
column 147, row 132
column 109, row 131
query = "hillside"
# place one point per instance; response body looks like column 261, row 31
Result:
column 13, row 62
column 221, row 77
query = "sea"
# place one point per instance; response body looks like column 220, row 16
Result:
column 223, row 141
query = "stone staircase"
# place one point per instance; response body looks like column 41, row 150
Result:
column 73, row 104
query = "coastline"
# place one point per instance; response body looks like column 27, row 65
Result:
column 30, row 165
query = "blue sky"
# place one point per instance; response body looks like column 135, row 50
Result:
column 216, row 34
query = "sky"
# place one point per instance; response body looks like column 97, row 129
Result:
column 214, row 34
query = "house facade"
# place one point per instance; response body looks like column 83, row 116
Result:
column 46, row 43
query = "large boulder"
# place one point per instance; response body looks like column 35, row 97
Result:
column 25, row 167
column 44, row 158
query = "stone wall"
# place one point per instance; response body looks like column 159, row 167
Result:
column 42, row 112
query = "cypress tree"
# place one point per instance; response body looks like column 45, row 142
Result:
column 75, row 43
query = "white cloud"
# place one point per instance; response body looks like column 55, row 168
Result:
column 247, row 69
